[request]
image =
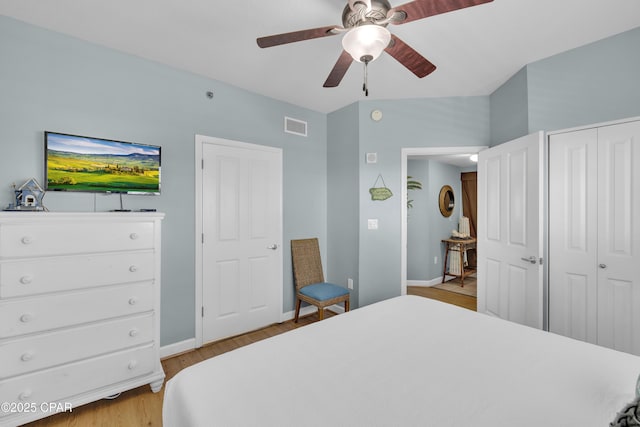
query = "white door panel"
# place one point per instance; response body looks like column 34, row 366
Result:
column 573, row 206
column 242, row 238
column 619, row 237
column 594, row 235
column 510, row 231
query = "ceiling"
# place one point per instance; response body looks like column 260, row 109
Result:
column 475, row 49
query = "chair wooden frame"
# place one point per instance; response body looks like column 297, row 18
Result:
column 307, row 270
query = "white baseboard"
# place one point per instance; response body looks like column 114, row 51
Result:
column 309, row 309
column 428, row 283
column 336, row 308
column 177, row 348
column 170, row 350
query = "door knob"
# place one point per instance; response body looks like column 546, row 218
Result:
column 531, row 259
column 603, row 266
column 272, row 247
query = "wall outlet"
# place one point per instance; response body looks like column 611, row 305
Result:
column 435, row 259
column 372, row 224
column 350, row 283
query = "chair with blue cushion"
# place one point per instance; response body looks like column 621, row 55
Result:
column 309, row 278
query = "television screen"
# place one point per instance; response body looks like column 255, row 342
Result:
column 80, row 163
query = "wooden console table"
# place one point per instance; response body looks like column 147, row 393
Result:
column 461, row 246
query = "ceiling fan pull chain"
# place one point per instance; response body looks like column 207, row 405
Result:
column 365, row 85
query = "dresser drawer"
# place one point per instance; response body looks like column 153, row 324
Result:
column 61, row 383
column 22, row 355
column 47, row 312
column 44, row 275
column 61, row 238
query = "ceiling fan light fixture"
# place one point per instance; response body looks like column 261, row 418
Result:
column 366, row 42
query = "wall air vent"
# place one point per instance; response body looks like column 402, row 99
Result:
column 296, row 127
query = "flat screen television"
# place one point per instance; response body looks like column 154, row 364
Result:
column 96, row 165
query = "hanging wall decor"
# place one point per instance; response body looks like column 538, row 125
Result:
column 380, row 193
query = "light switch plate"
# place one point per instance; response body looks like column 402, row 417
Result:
column 372, row 224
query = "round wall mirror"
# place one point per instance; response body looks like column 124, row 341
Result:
column 446, row 201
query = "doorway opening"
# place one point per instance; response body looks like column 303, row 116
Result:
column 432, row 153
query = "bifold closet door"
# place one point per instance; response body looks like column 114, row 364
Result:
column 619, row 237
column 573, row 234
column 594, row 235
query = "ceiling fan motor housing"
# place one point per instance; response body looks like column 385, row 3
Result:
column 358, row 15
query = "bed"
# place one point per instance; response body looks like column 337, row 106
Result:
column 407, row 361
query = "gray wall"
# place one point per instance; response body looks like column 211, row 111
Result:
column 559, row 92
column 591, row 84
column 53, row 82
column 426, row 227
column 419, row 235
column 509, row 109
column 442, row 174
column 434, row 122
column 342, row 207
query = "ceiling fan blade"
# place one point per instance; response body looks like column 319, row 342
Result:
column 420, row 9
column 339, row 70
column 408, row 57
column 297, row 36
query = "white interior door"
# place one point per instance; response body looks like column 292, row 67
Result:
column 619, row 237
column 510, row 230
column 573, row 234
column 241, row 237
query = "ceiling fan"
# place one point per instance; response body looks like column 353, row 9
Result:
column 364, row 25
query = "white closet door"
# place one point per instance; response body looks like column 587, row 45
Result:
column 573, row 245
column 594, row 235
column 619, row 237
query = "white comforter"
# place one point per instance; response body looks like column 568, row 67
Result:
column 408, row 361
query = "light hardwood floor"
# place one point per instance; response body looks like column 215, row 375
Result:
column 454, row 298
column 141, row 407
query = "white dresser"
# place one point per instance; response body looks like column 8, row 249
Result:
column 79, row 309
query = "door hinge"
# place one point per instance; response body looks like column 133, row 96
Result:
column 201, row 163
column 202, row 311
column 202, row 238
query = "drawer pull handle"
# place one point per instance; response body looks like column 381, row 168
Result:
column 26, row 357
column 133, row 236
column 133, row 301
column 133, row 269
column 26, row 240
column 133, row 364
column 133, row 333
column 25, row 280
column 25, row 395
column 26, row 318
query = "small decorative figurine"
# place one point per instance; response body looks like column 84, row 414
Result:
column 28, row 197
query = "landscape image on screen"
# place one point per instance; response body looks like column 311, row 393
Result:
column 77, row 163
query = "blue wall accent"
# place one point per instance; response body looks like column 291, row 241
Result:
column 509, row 109
column 441, row 174
column 426, row 227
column 433, row 122
column 50, row 81
column 590, row 84
column 342, row 208
column 419, row 249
